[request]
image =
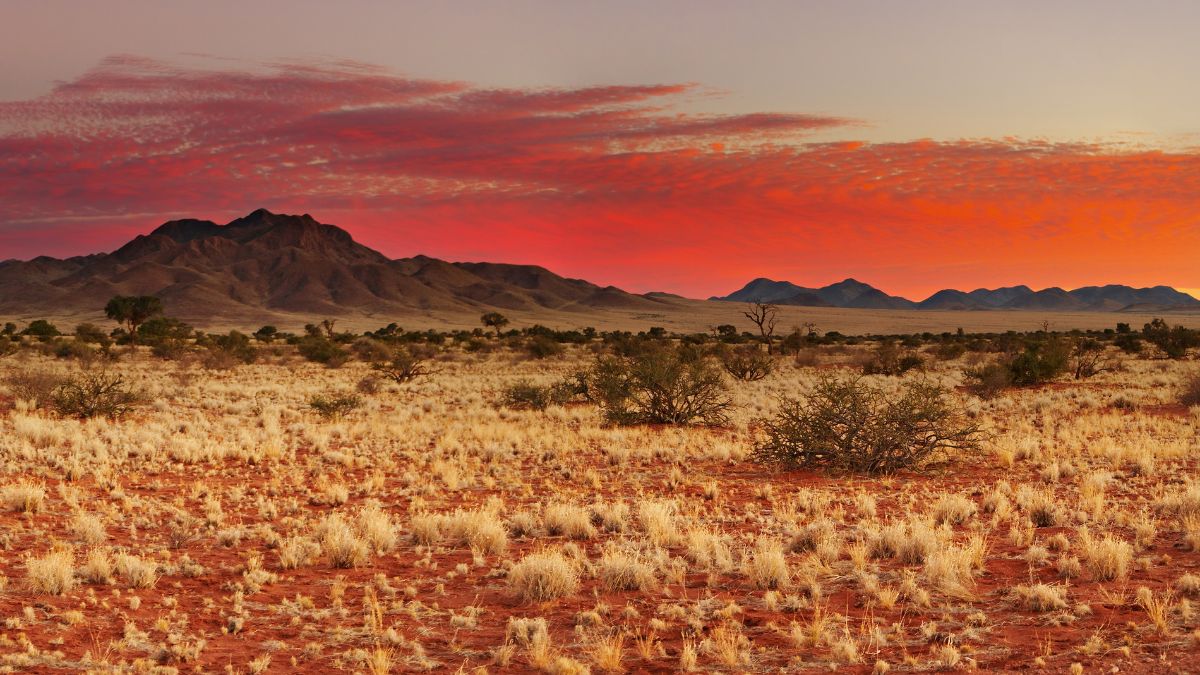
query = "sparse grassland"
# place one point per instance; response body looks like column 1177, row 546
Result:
column 225, row 522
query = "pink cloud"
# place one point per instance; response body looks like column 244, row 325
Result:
column 617, row 184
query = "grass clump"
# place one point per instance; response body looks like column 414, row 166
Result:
column 539, row 577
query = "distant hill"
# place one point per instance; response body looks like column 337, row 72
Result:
column 855, row 294
column 283, row 263
column 848, row 293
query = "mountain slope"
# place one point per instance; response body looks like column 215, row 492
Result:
column 281, row 263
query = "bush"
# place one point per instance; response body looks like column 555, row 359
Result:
column 987, row 381
column 404, row 365
column 542, row 347
column 235, row 346
column 1173, row 341
column 41, row 329
column 849, row 426
column 948, row 351
column 8, row 346
column 370, row 350
column 320, row 349
column 95, row 393
column 1128, row 343
column 74, row 349
column 1190, row 396
column 334, row 406
column 266, row 334
column 747, row 363
column 92, row 334
column 1040, row 362
column 659, row 384
column 168, row 337
column 526, row 395
column 889, row 360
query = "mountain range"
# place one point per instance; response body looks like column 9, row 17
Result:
column 855, row 294
column 273, row 263
column 268, row 266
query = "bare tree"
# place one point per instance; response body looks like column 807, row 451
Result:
column 764, row 315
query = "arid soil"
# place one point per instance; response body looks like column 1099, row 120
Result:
column 224, row 526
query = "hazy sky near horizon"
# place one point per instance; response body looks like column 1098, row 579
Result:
column 683, row 146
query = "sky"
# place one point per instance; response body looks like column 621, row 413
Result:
column 678, row 146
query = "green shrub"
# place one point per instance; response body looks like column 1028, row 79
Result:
column 659, row 384
column 41, row 329
column 747, row 363
column 524, row 395
column 1173, row 341
column 95, row 393
column 336, row 405
column 92, row 334
column 266, row 334
column 1041, row 362
column 850, row 426
column 542, row 347
column 320, row 349
column 74, row 349
column 227, row 351
column 168, row 337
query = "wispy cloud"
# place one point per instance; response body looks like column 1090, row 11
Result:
column 618, row 183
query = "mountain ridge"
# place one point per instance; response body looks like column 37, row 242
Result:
column 267, row 262
column 851, row 293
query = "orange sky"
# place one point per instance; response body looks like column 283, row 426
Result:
column 616, row 184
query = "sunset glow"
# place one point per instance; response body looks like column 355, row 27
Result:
column 632, row 185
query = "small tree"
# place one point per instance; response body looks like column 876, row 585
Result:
column 659, row 384
column 494, row 320
column 132, row 311
column 405, row 365
column 849, row 426
column 1088, row 358
column 764, row 315
column 266, row 334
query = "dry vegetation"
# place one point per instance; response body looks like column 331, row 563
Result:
column 227, row 522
